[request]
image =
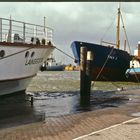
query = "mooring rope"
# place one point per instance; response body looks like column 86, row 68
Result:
column 135, row 74
column 15, row 53
column 32, row 48
column 104, row 64
column 102, row 70
column 114, row 84
column 65, row 53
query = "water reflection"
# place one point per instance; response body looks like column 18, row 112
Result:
column 16, row 109
column 56, row 94
column 57, row 104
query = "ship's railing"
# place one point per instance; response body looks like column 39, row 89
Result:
column 109, row 43
column 17, row 31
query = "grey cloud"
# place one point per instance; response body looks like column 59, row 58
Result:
column 85, row 21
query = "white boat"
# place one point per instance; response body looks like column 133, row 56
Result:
column 52, row 65
column 133, row 73
column 23, row 48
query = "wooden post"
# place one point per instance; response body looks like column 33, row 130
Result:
column 85, row 81
column 88, row 76
column 83, row 56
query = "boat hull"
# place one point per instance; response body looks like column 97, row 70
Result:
column 14, row 86
column 23, row 49
column 109, row 63
column 55, row 68
column 133, row 74
column 19, row 65
column 52, row 68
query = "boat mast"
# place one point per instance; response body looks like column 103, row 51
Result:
column 44, row 25
column 118, row 29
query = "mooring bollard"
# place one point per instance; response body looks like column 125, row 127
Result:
column 83, row 56
column 85, row 77
column 88, row 76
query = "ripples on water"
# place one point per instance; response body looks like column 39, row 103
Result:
column 56, row 94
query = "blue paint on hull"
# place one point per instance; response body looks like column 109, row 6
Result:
column 133, row 70
column 133, row 74
column 55, row 68
column 116, row 66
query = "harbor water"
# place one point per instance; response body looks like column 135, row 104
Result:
column 56, row 94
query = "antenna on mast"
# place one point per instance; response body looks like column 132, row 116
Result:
column 9, row 38
column 119, row 5
column 118, row 29
column 44, row 25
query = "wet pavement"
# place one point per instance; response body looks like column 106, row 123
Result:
column 56, row 94
column 17, row 109
column 56, row 102
column 79, row 125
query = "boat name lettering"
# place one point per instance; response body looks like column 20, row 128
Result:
column 33, row 61
column 112, row 57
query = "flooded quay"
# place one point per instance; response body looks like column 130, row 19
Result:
column 57, row 94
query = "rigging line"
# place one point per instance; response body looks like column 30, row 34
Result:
column 108, row 29
column 65, row 53
column 103, row 66
column 16, row 53
column 135, row 74
column 32, row 48
column 112, row 82
column 125, row 34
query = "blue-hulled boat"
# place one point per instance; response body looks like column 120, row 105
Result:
column 110, row 62
column 51, row 65
column 133, row 73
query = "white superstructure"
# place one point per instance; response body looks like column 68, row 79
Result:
column 23, row 48
column 135, row 63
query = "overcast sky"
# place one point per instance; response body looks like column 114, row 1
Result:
column 83, row 21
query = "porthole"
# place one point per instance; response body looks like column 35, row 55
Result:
column 26, row 54
column 2, row 53
column 32, row 54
